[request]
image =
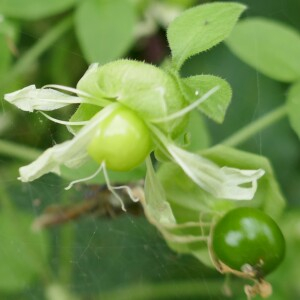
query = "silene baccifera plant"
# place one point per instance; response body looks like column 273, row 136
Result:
column 129, row 109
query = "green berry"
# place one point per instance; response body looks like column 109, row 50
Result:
column 247, row 236
column 122, row 140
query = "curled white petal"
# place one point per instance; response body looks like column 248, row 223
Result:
column 70, row 153
column 226, row 183
column 30, row 98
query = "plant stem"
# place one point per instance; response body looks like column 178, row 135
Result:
column 248, row 131
column 169, row 290
column 18, row 151
column 34, row 52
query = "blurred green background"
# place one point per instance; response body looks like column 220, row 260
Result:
column 123, row 257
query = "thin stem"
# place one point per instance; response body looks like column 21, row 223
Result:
column 41, row 46
column 248, row 131
column 18, row 151
column 168, row 290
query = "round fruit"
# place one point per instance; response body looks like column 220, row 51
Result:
column 246, row 236
column 122, row 140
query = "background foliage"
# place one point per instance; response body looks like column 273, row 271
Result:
column 122, row 257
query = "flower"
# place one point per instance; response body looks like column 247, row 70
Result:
column 153, row 95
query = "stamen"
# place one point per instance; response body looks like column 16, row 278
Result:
column 64, row 122
column 86, row 178
column 112, row 189
column 109, row 186
column 188, row 108
column 128, row 190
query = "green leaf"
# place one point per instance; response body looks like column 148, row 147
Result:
column 201, row 28
column 269, row 46
column 34, row 9
column 23, row 253
column 216, row 105
column 105, row 29
column 293, row 107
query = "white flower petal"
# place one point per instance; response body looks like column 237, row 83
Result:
column 71, row 153
column 223, row 182
column 226, row 183
column 30, row 98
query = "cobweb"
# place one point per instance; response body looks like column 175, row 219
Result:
column 95, row 256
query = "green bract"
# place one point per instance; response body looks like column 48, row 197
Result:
column 248, row 238
column 121, row 140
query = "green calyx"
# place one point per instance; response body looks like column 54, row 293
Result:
column 145, row 89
